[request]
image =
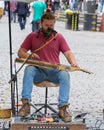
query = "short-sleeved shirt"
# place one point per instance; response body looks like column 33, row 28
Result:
column 49, row 53
column 39, row 7
column 13, row 6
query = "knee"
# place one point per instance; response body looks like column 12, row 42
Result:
column 29, row 70
column 64, row 75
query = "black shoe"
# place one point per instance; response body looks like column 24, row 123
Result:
column 22, row 28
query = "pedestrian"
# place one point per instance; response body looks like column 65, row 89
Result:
column 80, row 3
column 57, row 4
column 22, row 11
column 49, row 53
column 100, row 6
column 38, row 8
column 13, row 10
column 50, row 6
column 5, row 7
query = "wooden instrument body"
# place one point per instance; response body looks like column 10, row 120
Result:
column 43, row 64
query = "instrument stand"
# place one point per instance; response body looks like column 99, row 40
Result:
column 14, row 93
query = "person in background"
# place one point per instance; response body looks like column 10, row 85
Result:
column 73, row 4
column 1, row 9
column 22, row 11
column 38, row 8
column 31, row 13
column 57, row 4
column 65, row 4
column 100, row 6
column 50, row 5
column 49, row 53
column 5, row 7
column 80, row 2
column 13, row 9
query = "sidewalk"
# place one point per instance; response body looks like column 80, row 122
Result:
column 87, row 91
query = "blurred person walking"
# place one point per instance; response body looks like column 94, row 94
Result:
column 73, row 4
column 13, row 10
column 100, row 6
column 57, row 4
column 80, row 2
column 5, row 7
column 22, row 10
column 38, row 8
column 50, row 5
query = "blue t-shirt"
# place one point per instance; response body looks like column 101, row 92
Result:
column 39, row 8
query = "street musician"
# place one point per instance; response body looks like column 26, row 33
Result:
column 45, row 45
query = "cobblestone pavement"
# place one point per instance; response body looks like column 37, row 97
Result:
column 87, row 91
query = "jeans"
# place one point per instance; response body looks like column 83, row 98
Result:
column 100, row 6
column 57, row 5
column 22, row 21
column 34, row 74
column 73, row 5
column 35, row 25
column 12, row 16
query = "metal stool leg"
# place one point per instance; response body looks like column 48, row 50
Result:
column 46, row 106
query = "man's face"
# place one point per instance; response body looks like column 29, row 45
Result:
column 46, row 24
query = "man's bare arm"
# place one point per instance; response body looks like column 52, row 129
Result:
column 22, row 53
column 71, row 58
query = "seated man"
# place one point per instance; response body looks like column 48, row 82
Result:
column 48, row 53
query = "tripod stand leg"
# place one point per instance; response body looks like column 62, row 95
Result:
column 14, row 90
column 13, row 98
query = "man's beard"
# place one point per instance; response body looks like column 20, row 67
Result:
column 47, row 32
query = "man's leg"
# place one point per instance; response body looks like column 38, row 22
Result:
column 14, row 15
column 64, row 93
column 35, row 26
column 63, row 78
column 11, row 16
column 24, row 21
column 30, row 74
column 20, row 21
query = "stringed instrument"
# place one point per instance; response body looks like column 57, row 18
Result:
column 43, row 64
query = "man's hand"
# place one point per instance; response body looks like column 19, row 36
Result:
column 35, row 56
column 74, row 65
